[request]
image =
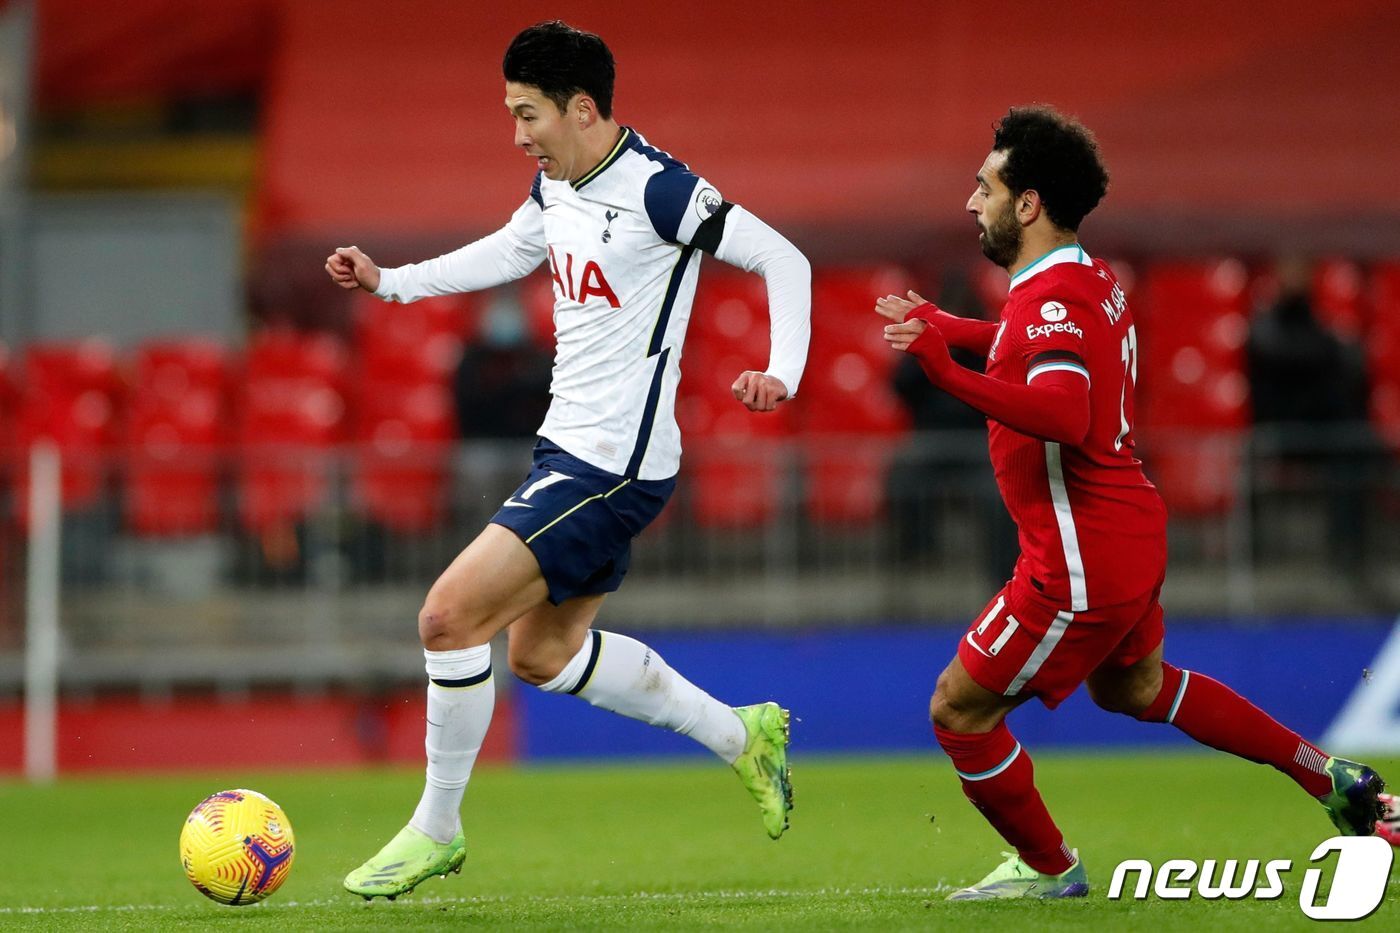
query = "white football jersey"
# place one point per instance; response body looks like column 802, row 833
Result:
column 623, row 247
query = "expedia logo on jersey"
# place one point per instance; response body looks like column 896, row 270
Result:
column 1059, row 327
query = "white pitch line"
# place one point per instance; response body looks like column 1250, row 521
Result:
column 349, row 900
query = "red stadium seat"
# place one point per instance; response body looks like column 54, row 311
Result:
column 731, row 477
column 991, row 284
column 9, row 418
column 72, row 395
column 166, row 369
column 293, row 413
column 282, row 353
column 172, row 475
column 1192, row 321
column 1339, row 297
column 416, row 342
column 843, row 312
column 730, row 315
column 177, row 429
column 404, row 436
column 1383, row 352
column 9, row 403
column 845, row 402
column 847, row 394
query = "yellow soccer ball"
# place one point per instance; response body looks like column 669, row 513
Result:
column 237, row 847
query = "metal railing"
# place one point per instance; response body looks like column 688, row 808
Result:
column 773, row 532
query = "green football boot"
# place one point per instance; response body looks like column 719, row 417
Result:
column 410, row 858
column 1354, row 803
column 763, row 765
column 1014, row 878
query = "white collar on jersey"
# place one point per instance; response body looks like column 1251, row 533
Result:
column 1071, row 253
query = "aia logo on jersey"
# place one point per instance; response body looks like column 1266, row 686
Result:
column 590, row 282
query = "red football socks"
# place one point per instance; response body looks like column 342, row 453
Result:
column 1214, row 715
column 997, row 776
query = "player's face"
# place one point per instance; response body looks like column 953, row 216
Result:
column 546, row 134
column 992, row 207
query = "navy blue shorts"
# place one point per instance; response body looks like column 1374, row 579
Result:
column 579, row 521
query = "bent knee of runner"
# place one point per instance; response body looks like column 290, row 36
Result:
column 444, row 625
column 536, row 664
column 960, row 714
column 1131, row 694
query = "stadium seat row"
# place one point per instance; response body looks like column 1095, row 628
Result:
column 282, row 406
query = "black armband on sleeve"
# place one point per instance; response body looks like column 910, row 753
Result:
column 711, row 230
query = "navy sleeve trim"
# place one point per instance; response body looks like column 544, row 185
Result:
column 711, row 230
column 667, row 198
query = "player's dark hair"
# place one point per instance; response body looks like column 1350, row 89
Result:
column 562, row 61
column 1055, row 156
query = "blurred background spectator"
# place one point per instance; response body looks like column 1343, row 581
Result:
column 501, row 384
column 946, row 458
column 1309, row 393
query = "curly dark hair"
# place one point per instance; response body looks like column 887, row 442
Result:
column 1056, row 156
column 562, row 61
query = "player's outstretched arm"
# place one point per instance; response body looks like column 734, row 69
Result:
column 961, row 332
column 752, row 245
column 504, row 256
column 683, row 208
column 1055, row 408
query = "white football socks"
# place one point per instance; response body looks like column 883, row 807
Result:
column 461, row 697
column 621, row 674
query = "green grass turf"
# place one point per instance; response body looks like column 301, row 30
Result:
column 875, row 844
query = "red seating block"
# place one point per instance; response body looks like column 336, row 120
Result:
column 72, row 395
column 731, row 476
column 1339, row 297
column 847, row 395
column 404, row 438
column 1192, row 325
column 293, row 412
column 1383, row 352
column 177, row 429
column 416, row 342
column 9, row 404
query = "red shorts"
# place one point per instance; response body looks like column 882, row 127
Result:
column 1024, row 644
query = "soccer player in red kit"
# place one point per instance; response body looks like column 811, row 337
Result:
column 1082, row 605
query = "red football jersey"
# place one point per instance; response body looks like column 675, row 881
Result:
column 1092, row 528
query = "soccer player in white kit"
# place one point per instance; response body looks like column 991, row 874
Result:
column 622, row 227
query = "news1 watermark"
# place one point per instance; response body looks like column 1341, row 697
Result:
column 1358, row 874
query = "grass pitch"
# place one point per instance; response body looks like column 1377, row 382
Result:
column 875, row 844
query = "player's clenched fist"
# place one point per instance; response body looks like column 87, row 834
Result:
column 758, row 391
column 350, row 268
